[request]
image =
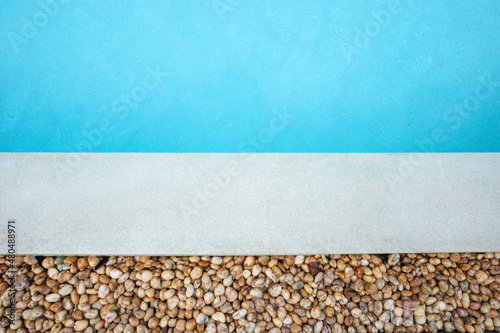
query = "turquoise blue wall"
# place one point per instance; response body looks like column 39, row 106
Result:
column 235, row 75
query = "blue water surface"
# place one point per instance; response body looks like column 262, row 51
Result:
column 240, row 75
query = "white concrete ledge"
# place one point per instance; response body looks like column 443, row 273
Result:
column 221, row 204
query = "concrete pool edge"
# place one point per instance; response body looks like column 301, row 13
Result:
column 221, row 204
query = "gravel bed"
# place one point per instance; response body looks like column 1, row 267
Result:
column 323, row 293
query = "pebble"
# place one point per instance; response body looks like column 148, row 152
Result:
column 196, row 273
column 93, row 261
column 146, row 275
column 81, row 325
column 103, row 291
column 481, row 276
column 21, row 282
column 115, row 273
column 54, row 297
column 320, row 294
column 219, row 316
column 201, row 318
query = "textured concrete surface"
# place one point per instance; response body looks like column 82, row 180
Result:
column 250, row 203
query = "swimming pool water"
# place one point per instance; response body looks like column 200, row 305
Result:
column 235, row 76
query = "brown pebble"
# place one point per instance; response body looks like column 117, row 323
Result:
column 314, row 294
column 82, row 263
